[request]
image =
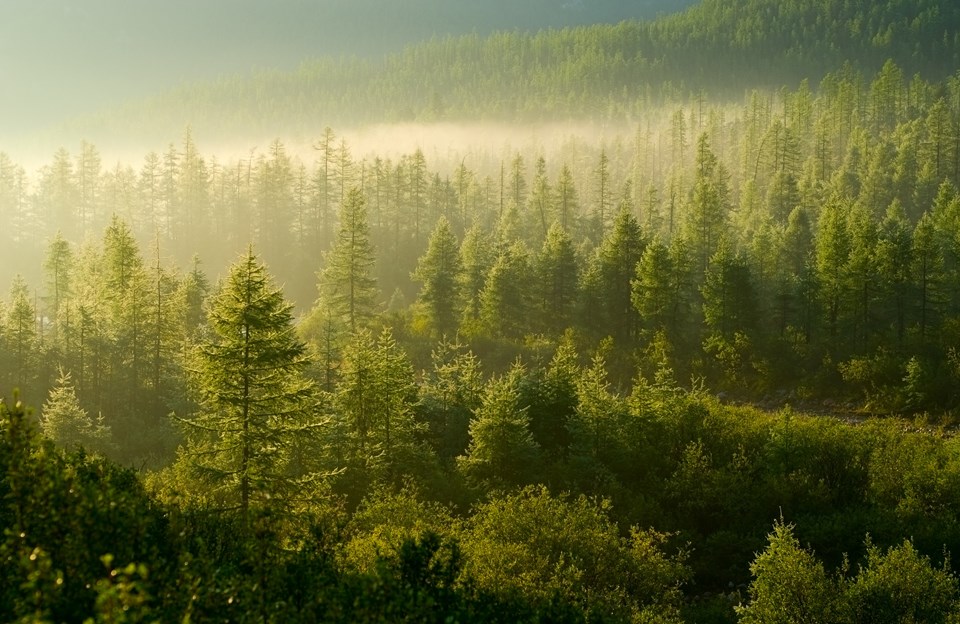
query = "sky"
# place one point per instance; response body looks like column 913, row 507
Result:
column 63, row 58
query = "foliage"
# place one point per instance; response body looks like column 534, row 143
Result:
column 249, row 442
column 546, row 547
column 67, row 424
column 790, row 584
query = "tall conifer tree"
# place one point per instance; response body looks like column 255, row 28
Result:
column 254, row 400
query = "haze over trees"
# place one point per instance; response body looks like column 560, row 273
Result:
column 693, row 358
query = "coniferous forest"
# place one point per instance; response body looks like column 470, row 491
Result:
column 690, row 352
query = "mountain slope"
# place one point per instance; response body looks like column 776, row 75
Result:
column 63, row 57
column 607, row 71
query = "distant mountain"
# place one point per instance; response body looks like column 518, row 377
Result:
column 59, row 58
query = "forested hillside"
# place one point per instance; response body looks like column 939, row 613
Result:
column 69, row 58
column 605, row 72
column 694, row 360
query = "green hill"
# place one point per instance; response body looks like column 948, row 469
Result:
column 599, row 71
column 64, row 58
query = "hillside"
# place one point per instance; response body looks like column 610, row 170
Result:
column 599, row 71
column 68, row 58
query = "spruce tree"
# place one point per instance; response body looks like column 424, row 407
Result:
column 65, row 422
column 502, row 450
column 505, row 299
column 347, row 284
column 254, row 400
column 607, row 283
column 557, row 269
column 440, row 271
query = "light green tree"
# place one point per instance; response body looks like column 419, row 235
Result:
column 58, row 267
column 544, row 547
column 377, row 428
column 790, row 585
column 901, row 585
column 65, row 422
column 476, row 256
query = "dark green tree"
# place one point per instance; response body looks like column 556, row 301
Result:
column 440, row 270
column 376, row 415
column 347, row 284
column 254, row 401
column 20, row 343
column 928, row 277
column 661, row 290
column 607, row 282
column 706, row 219
column 476, row 256
column 451, row 391
column 502, row 450
column 557, row 272
column 505, row 301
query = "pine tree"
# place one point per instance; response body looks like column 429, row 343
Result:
column 274, row 204
column 567, row 208
column 254, row 399
column 128, row 300
column 324, row 194
column 476, row 255
column 347, row 284
column 59, row 268
column 451, row 391
column 19, row 330
column 440, row 271
column 88, row 183
column 603, row 198
column 830, row 257
column 706, row 220
column 541, row 199
column 790, row 584
column 375, row 403
column 608, row 280
column 661, row 289
column 505, row 299
column 894, row 261
column 728, row 294
column 729, row 311
column 928, row 276
column 594, row 427
column 557, row 270
column 502, row 450
column 69, row 425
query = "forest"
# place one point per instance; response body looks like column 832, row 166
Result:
column 697, row 366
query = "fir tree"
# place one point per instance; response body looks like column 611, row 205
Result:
column 347, row 284
column 502, row 449
column 440, row 271
column 254, row 399
column 65, row 422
